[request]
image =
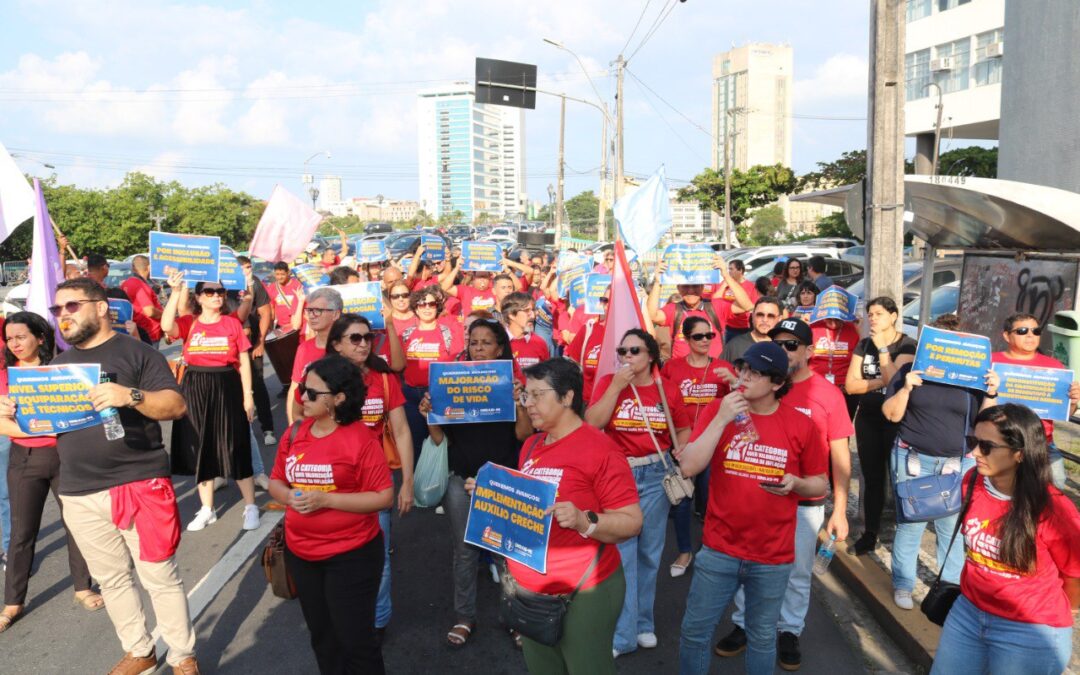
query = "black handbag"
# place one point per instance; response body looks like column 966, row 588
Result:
column 538, row 616
column 942, row 594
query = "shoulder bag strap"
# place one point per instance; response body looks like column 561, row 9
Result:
column 387, row 427
column 667, row 412
column 959, row 519
column 588, row 571
column 585, row 345
column 648, row 427
column 532, row 447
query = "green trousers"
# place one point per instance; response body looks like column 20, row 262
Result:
column 588, row 631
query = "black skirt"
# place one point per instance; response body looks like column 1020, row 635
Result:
column 213, row 440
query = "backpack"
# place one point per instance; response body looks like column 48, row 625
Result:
column 680, row 313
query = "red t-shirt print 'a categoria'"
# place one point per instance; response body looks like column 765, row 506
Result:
column 215, row 344
column 627, row 426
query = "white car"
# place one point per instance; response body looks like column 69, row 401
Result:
column 943, row 300
column 502, row 232
column 768, row 255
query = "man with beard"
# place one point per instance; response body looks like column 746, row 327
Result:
column 767, row 312
column 126, row 480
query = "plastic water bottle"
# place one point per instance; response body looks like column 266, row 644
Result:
column 824, row 556
column 744, row 425
column 110, row 419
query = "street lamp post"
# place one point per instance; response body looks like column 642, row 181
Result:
column 309, row 180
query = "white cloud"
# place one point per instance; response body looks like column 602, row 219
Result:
column 841, row 76
column 162, row 166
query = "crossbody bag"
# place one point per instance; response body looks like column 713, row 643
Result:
column 676, row 486
column 927, row 498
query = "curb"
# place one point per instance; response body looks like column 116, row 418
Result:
column 916, row 635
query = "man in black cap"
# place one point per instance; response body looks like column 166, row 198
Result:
column 761, row 450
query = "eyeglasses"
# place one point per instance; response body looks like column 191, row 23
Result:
column 633, row 351
column 985, row 447
column 790, row 345
column 698, row 337
column 527, row 396
column 604, row 301
column 316, row 311
column 399, row 296
column 357, row 338
column 311, row 394
column 748, row 373
column 214, row 291
column 70, row 307
column 426, row 303
column 1037, row 331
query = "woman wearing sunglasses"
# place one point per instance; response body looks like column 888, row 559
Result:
column 1020, row 587
column 933, row 421
column 214, row 439
column 332, row 476
column 631, row 411
column 469, row 447
column 700, row 379
column 401, row 312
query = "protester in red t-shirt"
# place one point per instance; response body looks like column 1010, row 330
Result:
column 285, row 294
column 756, row 482
column 585, row 350
column 476, row 296
column 332, row 476
column 673, row 314
column 34, row 470
column 834, row 345
column 397, row 296
column 519, row 314
column 146, row 307
column 734, row 309
column 637, row 410
column 321, row 309
column 1022, row 334
column 214, row 439
column 1020, row 586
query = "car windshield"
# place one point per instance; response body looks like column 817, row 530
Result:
column 859, row 287
column 943, row 301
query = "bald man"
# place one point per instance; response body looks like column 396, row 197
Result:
column 146, row 307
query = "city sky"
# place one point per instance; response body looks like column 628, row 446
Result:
column 242, row 92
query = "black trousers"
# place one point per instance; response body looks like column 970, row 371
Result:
column 875, row 436
column 337, row 597
column 32, row 474
column 261, row 396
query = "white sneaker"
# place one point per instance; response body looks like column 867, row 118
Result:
column 268, row 438
column 262, row 482
column 646, row 640
column 251, row 517
column 219, row 483
column 204, row 517
column 903, row 599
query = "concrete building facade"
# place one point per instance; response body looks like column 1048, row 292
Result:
column 752, row 91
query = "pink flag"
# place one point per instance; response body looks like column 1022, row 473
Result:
column 285, row 228
column 624, row 313
column 46, row 268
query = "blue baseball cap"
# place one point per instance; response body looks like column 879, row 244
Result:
column 765, row 357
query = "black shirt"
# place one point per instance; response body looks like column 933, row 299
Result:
column 261, row 299
column 870, row 402
column 470, row 446
column 736, row 347
column 938, row 416
column 91, row 463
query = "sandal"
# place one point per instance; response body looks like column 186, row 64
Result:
column 459, row 634
column 678, row 570
column 91, row 602
column 7, row 619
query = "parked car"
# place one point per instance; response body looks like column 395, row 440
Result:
column 835, row 242
column 943, row 300
column 766, row 256
column 399, row 243
column 503, row 231
column 460, row 233
column 945, row 271
column 372, row 228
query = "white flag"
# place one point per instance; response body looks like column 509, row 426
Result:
column 285, row 228
column 645, row 216
column 16, row 196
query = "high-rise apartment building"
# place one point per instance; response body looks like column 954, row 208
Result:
column 471, row 155
column 752, row 90
column 329, row 192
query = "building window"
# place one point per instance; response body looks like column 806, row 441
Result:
column 944, row 5
column 956, row 78
column 917, row 74
column 988, row 50
column 918, row 9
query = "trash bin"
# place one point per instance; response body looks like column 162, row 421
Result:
column 1066, row 333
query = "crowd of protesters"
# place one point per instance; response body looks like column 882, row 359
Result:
column 728, row 386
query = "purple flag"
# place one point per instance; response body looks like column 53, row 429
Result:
column 46, row 268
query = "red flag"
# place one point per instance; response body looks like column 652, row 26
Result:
column 623, row 313
column 285, row 228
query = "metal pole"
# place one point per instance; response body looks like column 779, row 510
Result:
column 601, row 217
column 937, row 130
column 619, row 141
column 727, row 179
column 562, row 169
column 927, row 286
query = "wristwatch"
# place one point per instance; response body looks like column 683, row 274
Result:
column 594, row 520
column 136, row 398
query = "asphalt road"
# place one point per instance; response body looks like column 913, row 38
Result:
column 243, row 628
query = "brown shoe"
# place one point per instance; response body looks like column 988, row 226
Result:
column 135, row 665
column 188, row 666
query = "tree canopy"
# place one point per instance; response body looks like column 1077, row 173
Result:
column 758, row 186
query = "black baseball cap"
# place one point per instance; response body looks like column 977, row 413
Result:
column 765, row 357
column 796, row 327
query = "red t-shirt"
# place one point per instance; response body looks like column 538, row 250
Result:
column 580, row 318
column 724, row 303
column 306, row 353
column 348, row 460
column 698, row 386
column 824, row 404
column 473, row 300
column 379, row 401
column 833, row 350
column 401, row 324
column 678, row 341
column 597, row 480
column 742, row 520
column 141, row 296
column 1040, row 361
column 587, row 355
column 29, row 441
column 627, row 426
column 424, row 346
column 284, row 299
column 214, row 344
column 529, row 350
column 562, row 315
column 994, row 587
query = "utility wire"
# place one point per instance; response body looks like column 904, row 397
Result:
column 634, row 32
column 661, row 18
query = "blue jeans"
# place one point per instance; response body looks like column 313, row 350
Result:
column 417, row 422
column 716, row 578
column 908, row 538
column 383, row 607
column 976, row 642
column 681, row 517
column 641, row 558
column 5, row 505
column 256, row 455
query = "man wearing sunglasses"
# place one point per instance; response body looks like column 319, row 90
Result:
column 767, row 312
column 1022, row 334
column 321, row 309
column 673, row 314
column 823, row 402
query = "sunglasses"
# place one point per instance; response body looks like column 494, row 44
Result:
column 698, row 337
column 1025, row 330
column 312, row 394
column 633, row 351
column 790, row 345
column 214, row 291
column 985, row 447
column 426, row 303
column 399, row 296
column 357, row 338
column 69, row 307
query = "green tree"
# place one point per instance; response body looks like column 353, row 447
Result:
column 969, row 161
column 350, row 224
column 752, row 189
column 768, row 225
column 849, row 168
column 833, row 225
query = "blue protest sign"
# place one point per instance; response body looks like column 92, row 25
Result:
column 508, row 515
column 54, row 399
column 690, row 264
column 596, row 286
column 834, row 303
column 371, row 252
column 1044, row 390
column 196, row 255
column 311, row 276
column 230, row 274
column 960, row 359
column 481, row 256
column 468, row 392
column 576, row 297
column 569, row 267
column 119, row 313
column 364, row 298
column 434, row 248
